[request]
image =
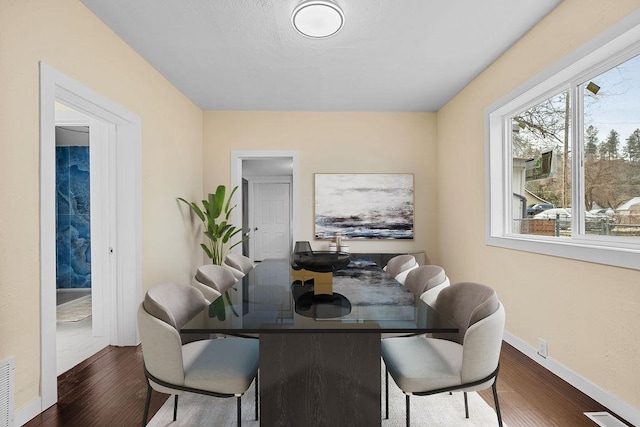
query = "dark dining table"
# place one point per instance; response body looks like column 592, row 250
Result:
column 320, row 361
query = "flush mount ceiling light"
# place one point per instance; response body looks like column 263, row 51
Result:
column 317, row 18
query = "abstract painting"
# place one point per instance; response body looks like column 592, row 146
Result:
column 364, row 206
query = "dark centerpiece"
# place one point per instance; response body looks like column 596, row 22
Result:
column 314, row 270
column 320, row 261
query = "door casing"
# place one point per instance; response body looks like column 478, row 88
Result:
column 125, row 136
column 236, row 180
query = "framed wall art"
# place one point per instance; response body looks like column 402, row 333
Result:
column 364, row 206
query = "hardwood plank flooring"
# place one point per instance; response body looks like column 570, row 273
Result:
column 109, row 389
column 530, row 395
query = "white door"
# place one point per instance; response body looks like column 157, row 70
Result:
column 101, row 213
column 271, row 233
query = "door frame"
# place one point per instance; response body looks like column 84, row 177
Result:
column 252, row 214
column 236, row 180
column 125, row 136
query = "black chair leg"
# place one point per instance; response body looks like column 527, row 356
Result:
column 239, row 405
column 466, row 405
column 175, row 408
column 146, row 405
column 386, row 393
column 408, row 411
column 256, row 394
column 495, row 399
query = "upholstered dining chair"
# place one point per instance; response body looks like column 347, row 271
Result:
column 465, row 361
column 399, row 266
column 426, row 282
column 215, row 367
column 212, row 280
column 239, row 263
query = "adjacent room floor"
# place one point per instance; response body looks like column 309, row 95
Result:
column 74, row 339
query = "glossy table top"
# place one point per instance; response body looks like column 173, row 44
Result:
column 266, row 301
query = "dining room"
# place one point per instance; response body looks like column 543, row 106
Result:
column 186, row 150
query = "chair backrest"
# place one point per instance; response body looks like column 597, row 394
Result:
column 216, row 276
column 173, row 303
column 164, row 310
column 400, row 263
column 481, row 347
column 480, row 318
column 465, row 304
column 423, row 278
column 239, row 262
column 161, row 348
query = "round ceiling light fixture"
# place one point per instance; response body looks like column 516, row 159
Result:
column 317, row 18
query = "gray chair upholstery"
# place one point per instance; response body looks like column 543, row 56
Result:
column 399, row 266
column 425, row 277
column 466, row 361
column 213, row 280
column 214, row 367
column 425, row 281
column 239, row 263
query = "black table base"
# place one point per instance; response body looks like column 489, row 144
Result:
column 320, row 379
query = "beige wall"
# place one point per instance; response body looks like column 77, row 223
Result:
column 65, row 35
column 588, row 313
column 335, row 143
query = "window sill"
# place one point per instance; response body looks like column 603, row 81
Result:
column 572, row 249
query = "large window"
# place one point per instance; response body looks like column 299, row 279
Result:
column 564, row 159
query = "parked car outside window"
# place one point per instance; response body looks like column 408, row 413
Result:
column 561, row 213
column 603, row 212
column 553, row 213
column 539, row 207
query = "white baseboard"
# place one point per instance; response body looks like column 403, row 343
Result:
column 27, row 413
column 592, row 390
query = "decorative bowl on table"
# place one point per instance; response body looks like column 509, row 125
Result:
column 320, row 261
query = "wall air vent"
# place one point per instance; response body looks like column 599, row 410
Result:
column 605, row 419
column 7, row 381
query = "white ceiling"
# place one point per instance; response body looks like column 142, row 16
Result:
column 391, row 55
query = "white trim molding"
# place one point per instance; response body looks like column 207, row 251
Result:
column 610, row 47
column 236, row 180
column 597, row 393
column 124, row 133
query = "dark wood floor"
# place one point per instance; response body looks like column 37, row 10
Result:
column 109, row 389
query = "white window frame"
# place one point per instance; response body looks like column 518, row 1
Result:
column 616, row 45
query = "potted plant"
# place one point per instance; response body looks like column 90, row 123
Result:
column 214, row 214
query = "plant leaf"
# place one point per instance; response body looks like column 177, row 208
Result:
column 226, row 294
column 216, row 309
column 228, row 210
column 195, row 208
column 217, row 201
column 206, row 250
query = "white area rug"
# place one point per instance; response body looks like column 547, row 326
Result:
column 75, row 310
column 438, row 410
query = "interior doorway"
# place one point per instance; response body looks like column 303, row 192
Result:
column 123, row 219
column 268, row 181
column 82, row 207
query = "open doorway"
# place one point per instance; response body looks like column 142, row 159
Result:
column 122, row 247
column 81, row 204
column 268, row 181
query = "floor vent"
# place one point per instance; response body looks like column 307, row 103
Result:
column 605, row 419
column 7, row 375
